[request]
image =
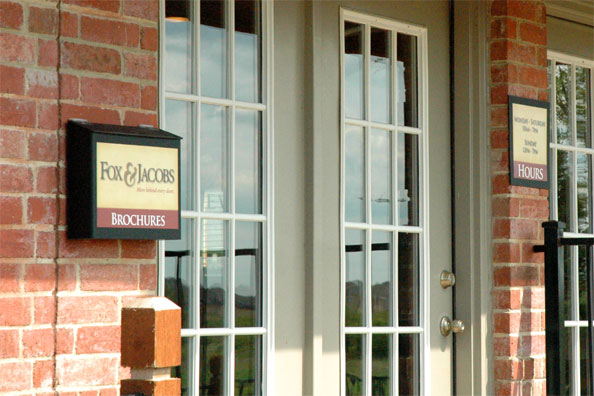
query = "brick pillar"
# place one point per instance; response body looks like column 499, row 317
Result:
column 518, row 67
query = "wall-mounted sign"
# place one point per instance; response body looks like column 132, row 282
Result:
column 528, row 142
column 123, row 182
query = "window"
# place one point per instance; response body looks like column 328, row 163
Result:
column 570, row 83
column 384, row 334
column 215, row 94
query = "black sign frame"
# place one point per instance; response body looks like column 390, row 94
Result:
column 514, row 181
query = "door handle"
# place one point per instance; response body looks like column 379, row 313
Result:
column 447, row 326
column 447, row 279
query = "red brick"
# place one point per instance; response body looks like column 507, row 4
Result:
column 508, row 369
column 11, row 15
column 499, row 117
column 11, row 210
column 522, row 9
column 38, row 342
column 506, row 252
column 148, row 277
column 105, row 5
column 98, row 339
column 42, row 84
column 15, row 311
column 141, row 66
column 149, row 39
column 516, row 276
column 149, row 98
column 46, row 181
column 88, row 309
column 109, row 31
column 139, row 249
column 531, row 322
column 532, row 33
column 46, row 245
column 48, row 53
column 521, row 53
column 523, row 91
column 504, row 73
column 10, row 277
column 45, row 310
column 69, row 24
column 17, row 48
column 110, row 92
column 40, row 277
column 14, row 178
column 89, row 113
column 87, row 57
column 528, row 254
column 108, row 392
column 43, row 147
column 505, row 345
column 505, row 207
column 144, row 9
column 12, row 144
column 499, row 161
column 9, row 344
column 88, row 248
column 532, row 345
column 18, row 112
column 41, row 210
column 48, row 116
column 103, row 277
column 70, row 89
column 86, row 371
column 534, row 208
column 43, row 373
column 43, row 20
column 67, row 277
column 65, row 341
column 135, row 118
column 506, row 322
column 534, row 298
column 16, row 243
column 503, row 28
column 535, row 77
column 15, row 376
column 12, row 80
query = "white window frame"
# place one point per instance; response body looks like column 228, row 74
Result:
column 422, row 230
column 266, row 219
column 573, row 326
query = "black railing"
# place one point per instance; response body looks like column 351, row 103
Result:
column 557, row 337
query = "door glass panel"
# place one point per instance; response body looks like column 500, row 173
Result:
column 408, row 179
column 213, row 48
column 248, row 162
column 213, row 366
column 562, row 104
column 247, row 50
column 184, row 371
column 381, row 365
column 248, row 274
column 214, row 263
column 408, row 365
column 355, row 277
column 584, row 188
column 355, row 364
column 213, row 158
column 178, row 55
column 354, row 76
column 178, row 117
column 408, row 279
column 380, row 76
column 179, row 259
column 381, row 278
column 381, row 176
column 355, row 174
column 248, row 369
column 583, row 106
column 564, row 176
column 408, row 114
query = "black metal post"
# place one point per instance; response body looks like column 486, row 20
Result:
column 555, row 315
column 589, row 271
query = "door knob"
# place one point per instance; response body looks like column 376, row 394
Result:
column 447, row 279
column 447, row 326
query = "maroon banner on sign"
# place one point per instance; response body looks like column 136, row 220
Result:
column 137, row 218
column 528, row 171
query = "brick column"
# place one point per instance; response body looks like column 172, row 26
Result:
column 518, row 67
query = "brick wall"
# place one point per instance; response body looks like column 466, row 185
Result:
column 60, row 299
column 518, row 67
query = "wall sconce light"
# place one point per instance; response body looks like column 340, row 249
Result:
column 177, row 10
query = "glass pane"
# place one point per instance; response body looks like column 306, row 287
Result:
column 584, row 192
column 583, row 283
column 569, row 364
column 248, row 274
column 568, row 301
column 213, row 365
column 214, row 261
column 381, row 364
column 381, row 76
column 408, row 179
column 563, row 103
column 248, row 162
column 213, row 48
column 178, row 50
column 213, row 158
column 179, row 264
column 381, row 176
column 564, row 175
column 248, row 365
column 354, row 174
column 407, row 80
column 355, row 364
column 178, row 120
column 247, row 50
column 185, row 370
column 584, row 363
column 381, row 278
column 583, row 106
column 355, row 278
column 408, row 279
column 408, row 365
column 353, row 69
